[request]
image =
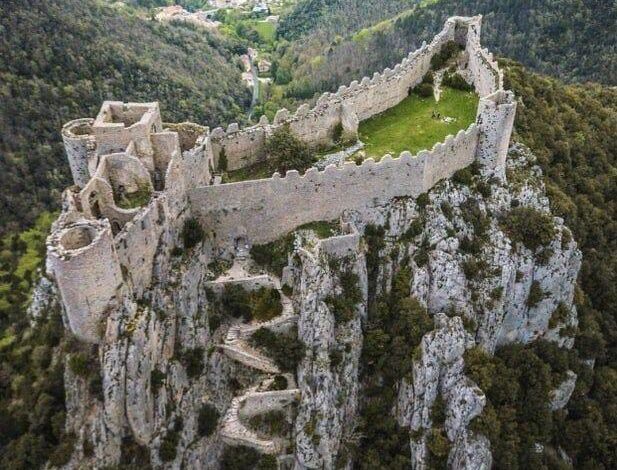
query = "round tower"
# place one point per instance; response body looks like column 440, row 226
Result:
column 79, row 145
column 83, row 261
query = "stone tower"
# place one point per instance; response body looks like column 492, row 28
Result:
column 80, row 147
column 83, row 261
column 495, row 118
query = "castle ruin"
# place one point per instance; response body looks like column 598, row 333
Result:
column 137, row 180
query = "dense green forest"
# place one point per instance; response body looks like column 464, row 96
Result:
column 572, row 130
column 59, row 60
column 570, row 39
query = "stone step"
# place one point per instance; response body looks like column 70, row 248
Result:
column 240, row 352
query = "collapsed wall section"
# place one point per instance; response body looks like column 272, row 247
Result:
column 264, row 210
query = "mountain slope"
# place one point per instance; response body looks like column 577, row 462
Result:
column 59, row 60
column 569, row 39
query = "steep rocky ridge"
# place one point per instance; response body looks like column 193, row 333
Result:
column 439, row 237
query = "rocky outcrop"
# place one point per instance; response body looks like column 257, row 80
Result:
column 163, row 357
column 439, row 371
column 328, row 375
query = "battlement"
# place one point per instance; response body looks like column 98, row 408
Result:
column 260, row 210
column 138, row 179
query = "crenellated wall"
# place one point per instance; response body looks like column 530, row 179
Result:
column 127, row 148
column 315, row 126
column 263, row 210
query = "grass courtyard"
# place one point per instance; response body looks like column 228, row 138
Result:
column 418, row 123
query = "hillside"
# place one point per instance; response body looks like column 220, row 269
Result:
column 571, row 40
column 59, row 60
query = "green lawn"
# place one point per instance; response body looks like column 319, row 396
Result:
column 411, row 126
column 266, row 30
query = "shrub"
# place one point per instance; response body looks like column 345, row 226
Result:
column 267, row 462
column 479, row 367
column 415, row 228
column 288, row 151
column 438, row 447
column 273, row 423
column 532, row 228
column 223, row 161
column 559, row 315
column 157, row 378
column 423, row 90
column 470, row 245
column 132, row 454
column 337, row 133
column 193, row 362
column 80, row 363
column 262, row 304
column 421, row 257
column 463, row 177
column 192, row 233
column 236, row 302
column 286, row 350
column 456, row 81
column 273, row 256
column 473, row 268
column 279, row 383
column 207, row 420
column 63, row 451
column 343, row 306
column 536, row 294
column 239, row 458
column 169, row 446
column 448, row 50
column 266, row 304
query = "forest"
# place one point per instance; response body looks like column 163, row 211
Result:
column 324, row 48
column 59, row 60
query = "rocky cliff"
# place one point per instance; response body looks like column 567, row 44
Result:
column 157, row 388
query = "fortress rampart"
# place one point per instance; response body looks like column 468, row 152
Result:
column 364, row 99
column 137, row 179
column 263, row 210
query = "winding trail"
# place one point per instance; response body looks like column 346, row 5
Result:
column 257, row 399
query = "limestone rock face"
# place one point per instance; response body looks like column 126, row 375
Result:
column 329, row 386
column 561, row 395
column 440, row 371
column 486, row 285
column 160, row 357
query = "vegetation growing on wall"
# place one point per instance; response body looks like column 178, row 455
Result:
column 286, row 349
column 262, row 304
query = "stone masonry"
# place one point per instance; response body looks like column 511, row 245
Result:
column 102, row 248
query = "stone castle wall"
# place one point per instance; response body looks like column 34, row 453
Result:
column 263, row 210
column 128, row 142
column 367, row 98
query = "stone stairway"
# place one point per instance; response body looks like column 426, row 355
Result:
column 257, row 399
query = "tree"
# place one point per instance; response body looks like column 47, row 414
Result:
column 289, row 151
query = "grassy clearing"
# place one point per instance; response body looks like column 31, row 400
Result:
column 411, row 126
column 257, row 171
column 266, row 31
